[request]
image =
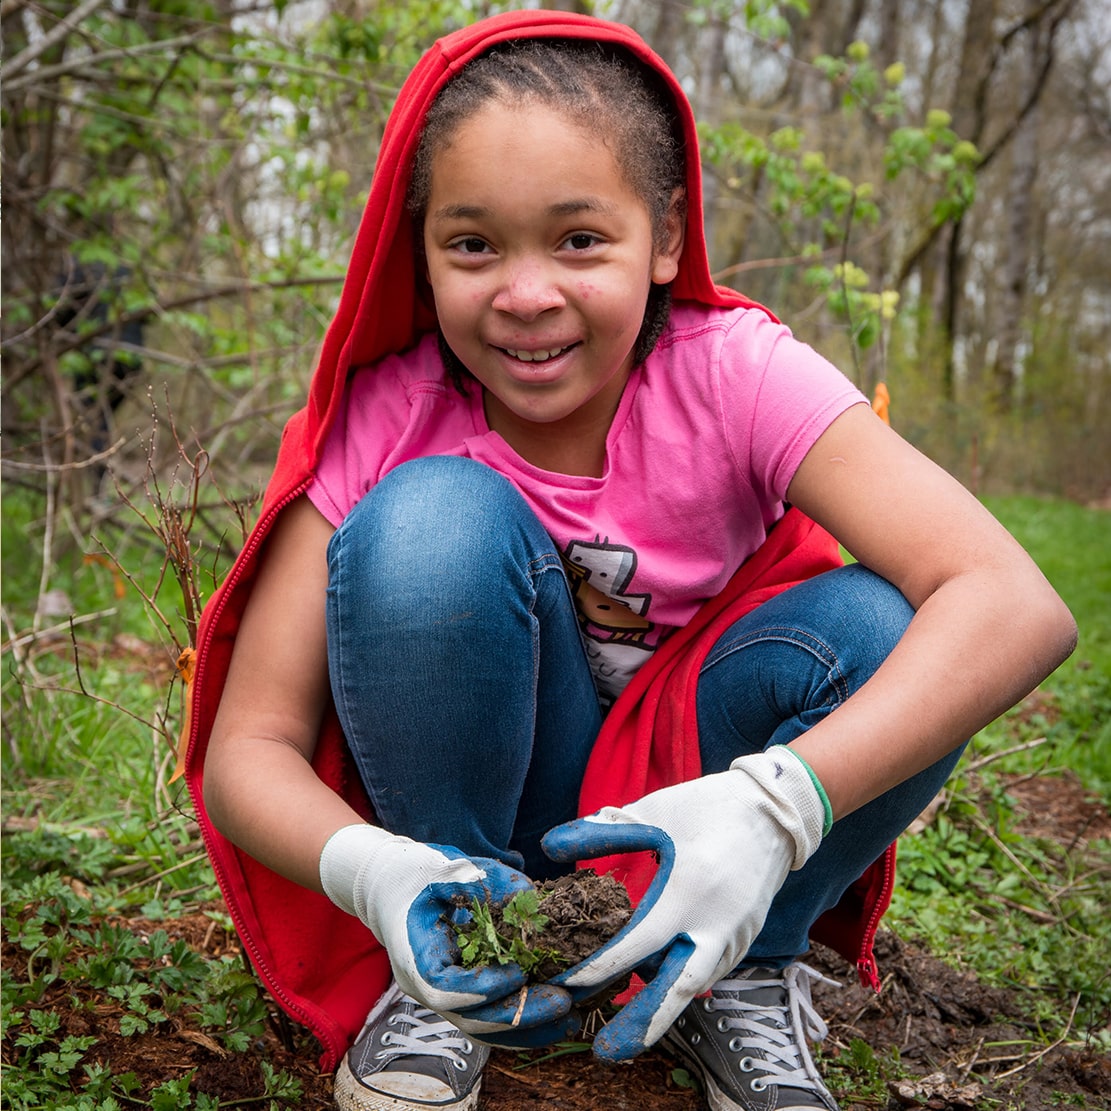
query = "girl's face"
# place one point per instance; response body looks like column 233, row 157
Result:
column 540, row 257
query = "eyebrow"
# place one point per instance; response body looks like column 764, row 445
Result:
column 562, row 208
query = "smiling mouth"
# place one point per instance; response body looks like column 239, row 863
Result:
column 541, row 356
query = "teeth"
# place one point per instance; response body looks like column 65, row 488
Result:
column 536, row 356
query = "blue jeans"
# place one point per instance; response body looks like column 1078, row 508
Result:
column 461, row 682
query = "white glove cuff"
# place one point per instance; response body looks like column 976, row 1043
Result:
column 827, row 809
column 800, row 809
column 343, row 859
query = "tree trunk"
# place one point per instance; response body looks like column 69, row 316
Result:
column 969, row 108
column 711, row 76
column 1020, row 222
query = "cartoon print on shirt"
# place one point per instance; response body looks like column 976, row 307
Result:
column 614, row 622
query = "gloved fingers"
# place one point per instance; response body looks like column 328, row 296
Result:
column 434, row 959
column 455, row 987
column 473, row 877
column 685, row 972
column 533, row 1037
column 602, row 834
column 499, row 881
column 642, row 939
column 682, row 974
column 534, row 1006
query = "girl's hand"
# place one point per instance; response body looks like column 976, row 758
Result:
column 725, row 844
column 408, row 894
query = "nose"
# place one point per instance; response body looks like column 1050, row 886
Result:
column 528, row 289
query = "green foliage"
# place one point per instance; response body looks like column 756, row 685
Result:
column 959, row 872
column 1072, row 546
column 860, row 1074
column 817, row 194
column 223, row 163
column 817, row 210
column 506, row 937
column 766, row 18
column 154, row 979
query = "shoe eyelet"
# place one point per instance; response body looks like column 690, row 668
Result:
column 468, row 1048
column 680, row 1022
column 746, row 1064
column 736, row 1045
column 695, row 1039
column 460, row 1065
column 708, row 1003
column 386, row 1038
column 757, row 1085
column 722, row 1024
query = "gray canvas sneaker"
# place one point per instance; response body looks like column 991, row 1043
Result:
column 408, row 1058
column 747, row 1040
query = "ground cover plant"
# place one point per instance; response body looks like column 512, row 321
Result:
column 124, row 984
column 548, row 929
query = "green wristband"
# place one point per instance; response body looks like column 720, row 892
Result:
column 827, row 823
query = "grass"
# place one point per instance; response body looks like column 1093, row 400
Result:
column 1029, row 912
column 93, row 832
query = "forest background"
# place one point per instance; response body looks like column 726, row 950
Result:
column 921, row 188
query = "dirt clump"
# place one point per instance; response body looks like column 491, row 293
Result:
column 545, row 929
column 584, row 910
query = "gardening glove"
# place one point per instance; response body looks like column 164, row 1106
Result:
column 725, row 844
column 409, row 895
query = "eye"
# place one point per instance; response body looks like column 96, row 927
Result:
column 582, row 241
column 470, row 245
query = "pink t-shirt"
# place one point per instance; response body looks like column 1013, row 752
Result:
column 707, row 437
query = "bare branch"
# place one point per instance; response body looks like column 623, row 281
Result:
column 85, row 64
column 77, row 465
column 26, row 56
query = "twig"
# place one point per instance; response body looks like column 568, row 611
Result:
column 520, row 1007
column 1010, row 855
column 79, row 465
column 966, row 1069
column 163, row 874
column 991, row 757
column 102, row 700
column 47, row 538
column 1042, row 916
column 87, row 65
column 29, row 638
column 26, row 56
column 1038, row 1056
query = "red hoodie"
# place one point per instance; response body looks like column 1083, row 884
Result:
column 321, row 965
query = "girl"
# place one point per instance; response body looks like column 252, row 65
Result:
column 549, row 539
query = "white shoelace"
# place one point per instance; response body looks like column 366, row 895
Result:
column 779, row 1032
column 423, row 1033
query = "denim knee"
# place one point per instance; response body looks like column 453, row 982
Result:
column 778, row 670
column 441, row 529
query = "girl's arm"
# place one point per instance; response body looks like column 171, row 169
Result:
column 259, row 787
column 988, row 626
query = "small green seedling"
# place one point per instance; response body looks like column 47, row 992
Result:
column 506, row 934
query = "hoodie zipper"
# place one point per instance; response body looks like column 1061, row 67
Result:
column 866, row 962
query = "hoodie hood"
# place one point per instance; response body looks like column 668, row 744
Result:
column 380, row 312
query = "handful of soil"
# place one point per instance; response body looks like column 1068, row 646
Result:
column 562, row 923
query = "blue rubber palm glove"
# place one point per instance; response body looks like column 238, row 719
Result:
column 408, row 894
column 725, row 844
